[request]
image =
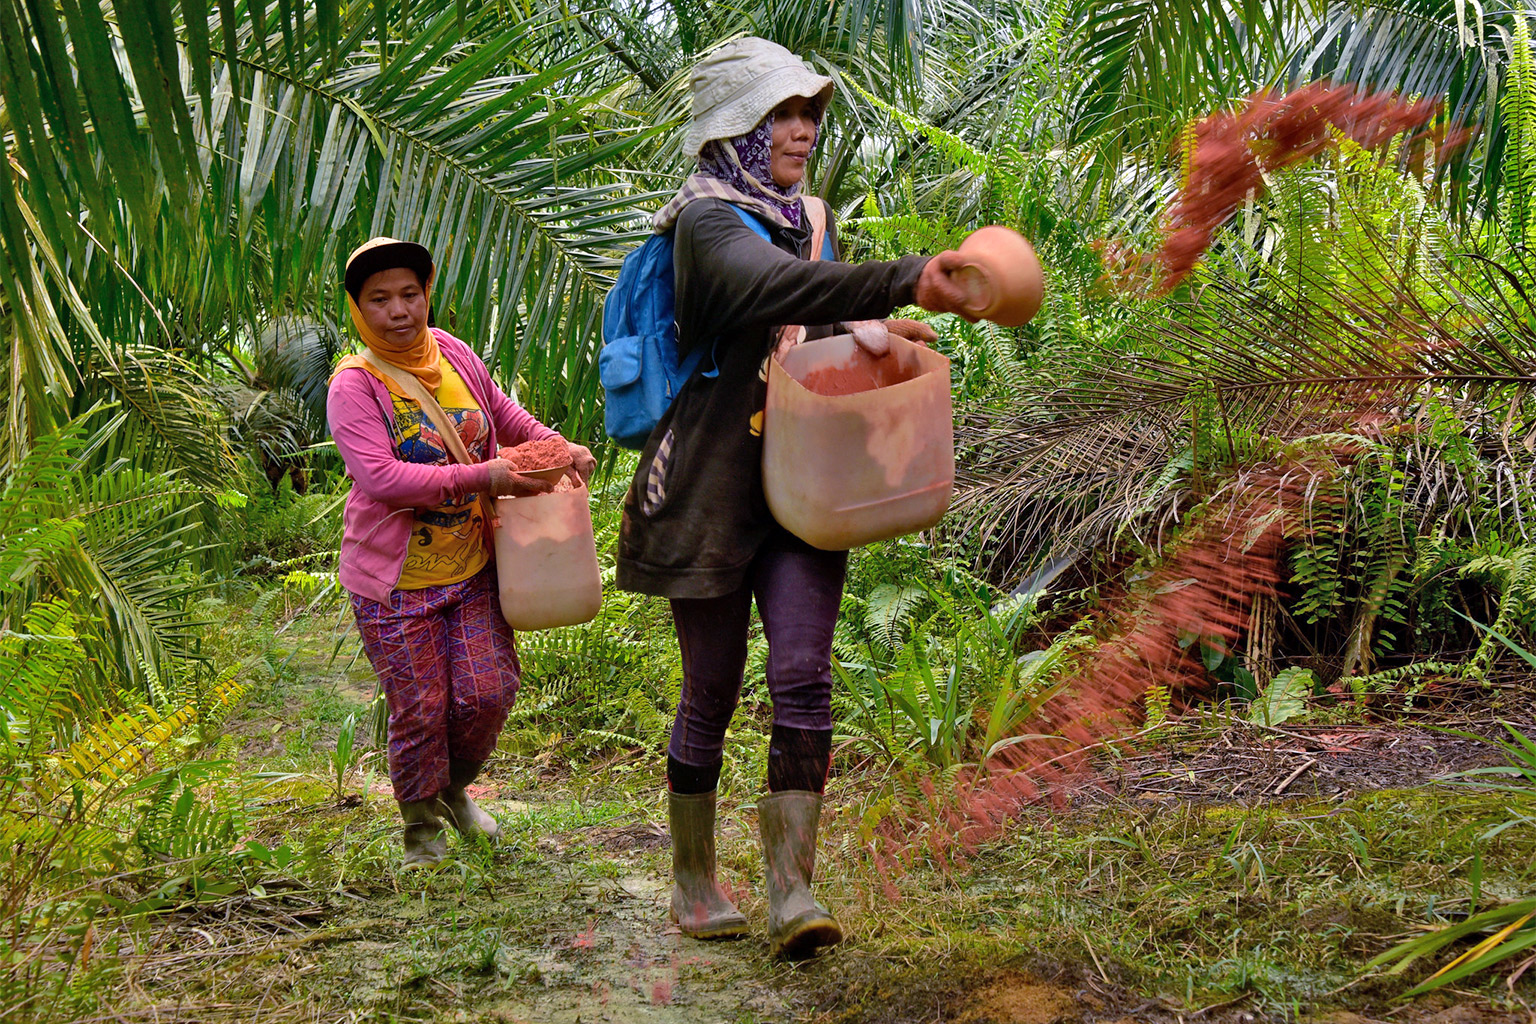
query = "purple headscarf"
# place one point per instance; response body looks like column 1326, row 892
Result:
column 745, row 164
column 739, row 170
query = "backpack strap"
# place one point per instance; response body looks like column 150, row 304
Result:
column 791, row 335
column 816, row 213
column 750, row 220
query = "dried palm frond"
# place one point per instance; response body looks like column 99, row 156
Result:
column 1136, row 429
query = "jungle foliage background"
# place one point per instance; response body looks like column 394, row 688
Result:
column 182, row 178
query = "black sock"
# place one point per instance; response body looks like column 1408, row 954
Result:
column 799, row 758
column 686, row 779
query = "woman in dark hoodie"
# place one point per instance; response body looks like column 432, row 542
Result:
column 697, row 528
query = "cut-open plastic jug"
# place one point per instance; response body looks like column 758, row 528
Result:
column 546, row 560
column 858, row 449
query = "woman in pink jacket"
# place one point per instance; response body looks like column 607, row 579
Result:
column 415, row 554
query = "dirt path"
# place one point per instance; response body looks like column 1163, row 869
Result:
column 565, row 921
column 574, row 929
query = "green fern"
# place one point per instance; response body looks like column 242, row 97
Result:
column 1407, row 681
column 888, row 610
column 94, row 794
column 1519, row 115
column 1515, row 572
column 38, row 665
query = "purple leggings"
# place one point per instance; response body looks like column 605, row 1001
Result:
column 798, row 590
column 446, row 659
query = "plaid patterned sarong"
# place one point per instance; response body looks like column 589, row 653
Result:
column 449, row 669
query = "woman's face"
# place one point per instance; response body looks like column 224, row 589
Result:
column 393, row 304
column 794, row 133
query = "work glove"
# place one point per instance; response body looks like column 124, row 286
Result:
column 914, row 331
column 582, row 463
column 936, row 291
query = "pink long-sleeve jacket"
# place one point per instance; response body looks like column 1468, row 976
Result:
column 376, row 526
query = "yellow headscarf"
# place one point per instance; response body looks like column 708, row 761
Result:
column 420, row 356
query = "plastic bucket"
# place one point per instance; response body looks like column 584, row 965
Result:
column 546, row 560
column 873, row 462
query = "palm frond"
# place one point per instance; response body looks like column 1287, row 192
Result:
column 233, row 190
column 1156, row 64
column 160, row 415
column 1119, row 431
column 133, row 566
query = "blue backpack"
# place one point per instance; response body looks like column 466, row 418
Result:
column 640, row 367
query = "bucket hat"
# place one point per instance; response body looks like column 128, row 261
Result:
column 384, row 253
column 739, row 84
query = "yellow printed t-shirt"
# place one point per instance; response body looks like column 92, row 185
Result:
column 447, row 541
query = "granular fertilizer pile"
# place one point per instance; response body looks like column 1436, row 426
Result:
column 534, row 455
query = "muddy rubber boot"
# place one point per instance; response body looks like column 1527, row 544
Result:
column 797, row 924
column 463, row 813
column 425, row 844
column 699, row 906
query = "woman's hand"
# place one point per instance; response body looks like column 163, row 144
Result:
column 870, row 335
column 874, row 336
column 582, row 463
column 506, row 482
column 936, row 291
column 790, row 335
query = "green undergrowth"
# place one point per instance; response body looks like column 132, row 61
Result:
column 298, row 904
column 1283, row 902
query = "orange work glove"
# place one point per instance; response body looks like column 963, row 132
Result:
column 936, row 292
column 914, row 331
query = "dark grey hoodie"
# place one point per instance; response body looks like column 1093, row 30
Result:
column 733, row 290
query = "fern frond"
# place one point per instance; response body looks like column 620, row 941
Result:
column 39, row 696
column 888, row 609
column 1518, row 189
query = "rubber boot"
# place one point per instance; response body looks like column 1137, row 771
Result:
column 797, row 924
column 699, row 906
column 463, row 813
column 425, row 844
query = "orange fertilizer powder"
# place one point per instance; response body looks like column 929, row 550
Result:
column 1207, row 583
column 839, row 380
column 863, row 374
column 535, row 455
column 1230, row 152
column 1204, row 588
